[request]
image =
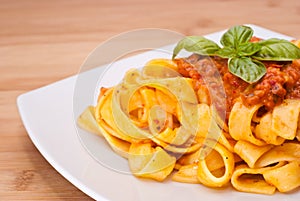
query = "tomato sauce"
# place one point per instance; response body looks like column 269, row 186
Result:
column 280, row 82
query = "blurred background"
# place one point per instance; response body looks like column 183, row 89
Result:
column 45, row 41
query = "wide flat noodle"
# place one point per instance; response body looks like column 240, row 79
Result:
column 206, row 176
column 148, row 162
column 187, row 174
column 103, row 112
column 287, row 152
column 177, row 149
column 240, row 123
column 205, row 118
column 136, row 102
column 227, row 141
column 251, row 180
column 249, row 152
column 149, row 100
column 285, row 178
column 285, row 119
column 87, row 121
column 167, row 101
column 265, row 132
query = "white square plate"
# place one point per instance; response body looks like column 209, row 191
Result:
column 49, row 117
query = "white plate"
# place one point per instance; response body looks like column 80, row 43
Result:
column 48, row 115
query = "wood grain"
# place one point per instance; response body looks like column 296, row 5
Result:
column 44, row 41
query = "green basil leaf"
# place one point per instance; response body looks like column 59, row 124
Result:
column 248, row 49
column 277, row 50
column 236, row 36
column 226, row 52
column 196, row 44
column 247, row 69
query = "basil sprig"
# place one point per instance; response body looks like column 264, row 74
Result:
column 196, row 44
column 243, row 56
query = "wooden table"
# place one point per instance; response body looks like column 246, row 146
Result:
column 45, row 41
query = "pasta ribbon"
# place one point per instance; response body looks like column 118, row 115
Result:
column 103, row 113
column 287, row 152
column 160, row 68
column 242, row 114
column 205, row 175
column 167, row 101
column 251, row 180
column 285, row 119
column 187, row 174
column 148, row 162
column 265, row 132
column 250, row 153
column 205, row 116
column 285, row 178
column 226, row 140
column 87, row 121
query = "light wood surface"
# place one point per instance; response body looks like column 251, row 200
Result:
column 45, row 41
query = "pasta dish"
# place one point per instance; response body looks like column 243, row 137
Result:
column 225, row 115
